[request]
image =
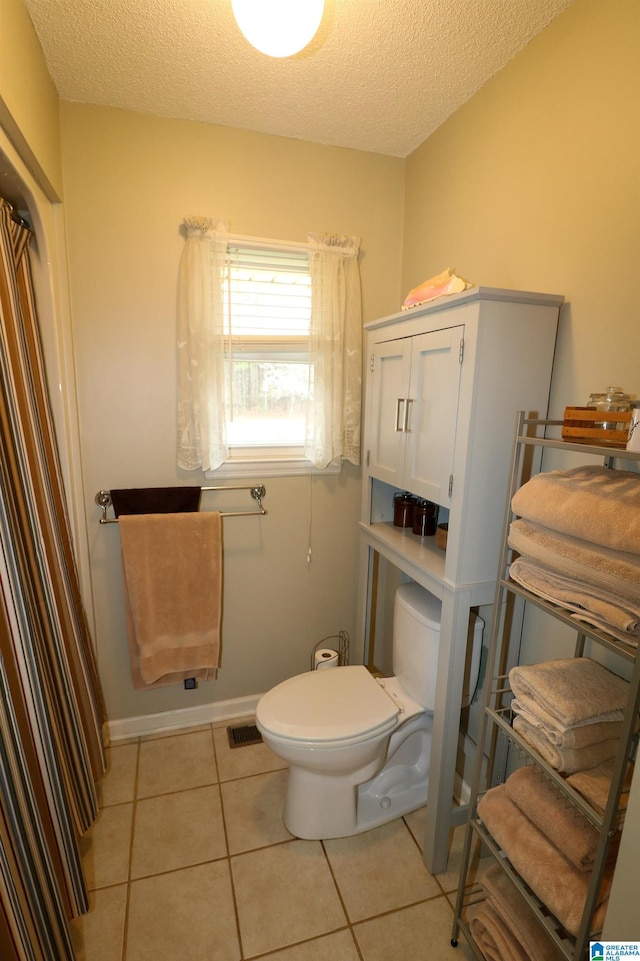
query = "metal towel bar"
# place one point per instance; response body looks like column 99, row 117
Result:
column 257, row 491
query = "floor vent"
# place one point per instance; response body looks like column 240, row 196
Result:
column 243, row 735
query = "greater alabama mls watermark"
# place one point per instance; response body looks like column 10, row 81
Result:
column 613, row 950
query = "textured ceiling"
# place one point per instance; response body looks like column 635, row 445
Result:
column 380, row 75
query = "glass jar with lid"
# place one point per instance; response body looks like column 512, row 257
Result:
column 611, row 400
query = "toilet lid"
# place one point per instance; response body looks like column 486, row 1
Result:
column 327, row 705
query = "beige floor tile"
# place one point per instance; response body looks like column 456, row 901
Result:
column 480, row 860
column 177, row 830
column 105, row 848
column 413, row 934
column 416, row 822
column 186, row 914
column 253, row 811
column 284, row 894
column 449, row 878
column 99, row 935
column 338, row 946
column 361, row 866
column 243, row 761
column 176, row 763
column 118, row 784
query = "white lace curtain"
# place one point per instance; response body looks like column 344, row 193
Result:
column 202, row 440
column 333, row 418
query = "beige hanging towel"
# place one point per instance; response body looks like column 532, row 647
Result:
column 172, row 570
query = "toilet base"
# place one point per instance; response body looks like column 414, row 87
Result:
column 401, row 786
column 372, row 798
column 319, row 805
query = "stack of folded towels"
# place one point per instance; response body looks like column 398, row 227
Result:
column 578, row 537
column 551, row 848
column 502, row 925
column 569, row 710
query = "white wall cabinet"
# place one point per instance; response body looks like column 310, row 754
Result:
column 444, row 382
column 414, row 391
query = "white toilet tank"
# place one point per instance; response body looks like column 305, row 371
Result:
column 416, row 639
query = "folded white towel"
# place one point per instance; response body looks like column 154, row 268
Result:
column 569, row 692
column 617, row 572
column 562, row 736
column 593, row 503
column 630, row 640
column 566, row 760
column 620, row 613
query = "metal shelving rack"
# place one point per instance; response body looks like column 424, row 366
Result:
column 497, row 736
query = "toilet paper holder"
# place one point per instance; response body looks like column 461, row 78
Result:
column 338, row 642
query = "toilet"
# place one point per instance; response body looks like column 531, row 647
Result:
column 358, row 747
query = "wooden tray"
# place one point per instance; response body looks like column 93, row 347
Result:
column 583, row 425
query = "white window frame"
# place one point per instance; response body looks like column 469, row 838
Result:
column 270, row 461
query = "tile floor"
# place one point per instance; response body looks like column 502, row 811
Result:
column 189, row 860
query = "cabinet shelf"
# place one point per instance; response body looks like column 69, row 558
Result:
column 420, row 552
column 497, row 716
column 559, row 444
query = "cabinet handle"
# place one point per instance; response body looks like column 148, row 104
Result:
column 398, row 403
column 405, row 426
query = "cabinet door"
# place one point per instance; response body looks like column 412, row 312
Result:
column 432, row 413
column 388, row 385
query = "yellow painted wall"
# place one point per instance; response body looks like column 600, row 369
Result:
column 535, row 184
column 31, row 179
column 28, row 98
column 129, row 181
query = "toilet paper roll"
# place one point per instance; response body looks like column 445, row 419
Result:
column 325, row 658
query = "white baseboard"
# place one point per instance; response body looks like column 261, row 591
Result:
column 217, row 712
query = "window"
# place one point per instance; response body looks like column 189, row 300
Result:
column 269, row 352
column 268, row 376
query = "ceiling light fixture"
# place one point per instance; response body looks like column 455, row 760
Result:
column 278, row 28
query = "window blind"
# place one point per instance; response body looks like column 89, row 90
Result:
column 268, row 297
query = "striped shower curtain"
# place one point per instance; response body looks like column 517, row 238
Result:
column 51, row 711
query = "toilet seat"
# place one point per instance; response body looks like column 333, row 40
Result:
column 344, row 705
